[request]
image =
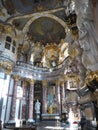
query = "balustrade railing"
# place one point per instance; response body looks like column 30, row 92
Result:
column 42, row 69
column 30, row 71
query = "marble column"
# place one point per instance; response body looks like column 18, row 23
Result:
column 5, row 90
column 44, row 106
column 63, row 96
column 31, row 103
column 24, row 86
column 58, row 97
column 13, row 103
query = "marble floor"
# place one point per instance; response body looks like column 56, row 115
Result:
column 56, row 125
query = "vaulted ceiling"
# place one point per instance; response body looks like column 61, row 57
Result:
column 37, row 21
column 43, row 30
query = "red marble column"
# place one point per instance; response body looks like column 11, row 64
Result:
column 63, row 96
column 24, row 86
column 58, row 97
column 13, row 104
column 44, row 106
column 31, row 99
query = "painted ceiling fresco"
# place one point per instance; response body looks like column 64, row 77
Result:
column 30, row 6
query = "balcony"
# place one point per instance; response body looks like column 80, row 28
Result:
column 26, row 70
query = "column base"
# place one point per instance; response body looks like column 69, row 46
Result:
column 10, row 123
column 38, row 117
column 30, row 121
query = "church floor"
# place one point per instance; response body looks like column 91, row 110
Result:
column 56, row 125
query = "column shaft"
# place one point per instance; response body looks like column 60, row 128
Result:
column 58, row 98
column 44, row 109
column 31, row 99
column 13, row 104
column 63, row 97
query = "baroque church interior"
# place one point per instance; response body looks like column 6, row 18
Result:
column 48, row 53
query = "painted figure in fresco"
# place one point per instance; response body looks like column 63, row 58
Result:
column 87, row 35
column 37, row 106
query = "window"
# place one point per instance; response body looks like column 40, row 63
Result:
column 13, row 49
column 8, row 39
column 7, row 46
column 14, row 43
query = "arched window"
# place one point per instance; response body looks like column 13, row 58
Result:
column 8, row 42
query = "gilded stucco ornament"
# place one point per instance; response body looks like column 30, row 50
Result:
column 73, row 53
column 31, row 81
column 16, row 77
column 0, row 65
column 63, row 50
column 19, row 51
column 73, row 77
column 71, row 18
column 51, row 55
column 44, row 82
column 6, row 65
column 8, row 71
column 25, row 83
column 7, row 29
column 90, row 76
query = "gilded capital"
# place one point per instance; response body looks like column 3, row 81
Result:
column 73, row 53
column 8, row 71
column 57, row 82
column 62, row 84
column 31, row 81
column 44, row 83
column 16, row 77
column 25, row 83
column 1, row 66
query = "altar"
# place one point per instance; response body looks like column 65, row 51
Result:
column 50, row 116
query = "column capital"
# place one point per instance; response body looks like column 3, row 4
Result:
column 57, row 82
column 25, row 83
column 8, row 71
column 1, row 66
column 44, row 82
column 62, row 83
column 31, row 81
column 16, row 77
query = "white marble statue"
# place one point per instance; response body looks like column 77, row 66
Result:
column 87, row 35
column 37, row 107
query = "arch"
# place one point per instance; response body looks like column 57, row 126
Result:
column 60, row 21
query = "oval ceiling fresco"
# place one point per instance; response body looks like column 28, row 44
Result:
column 46, row 30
